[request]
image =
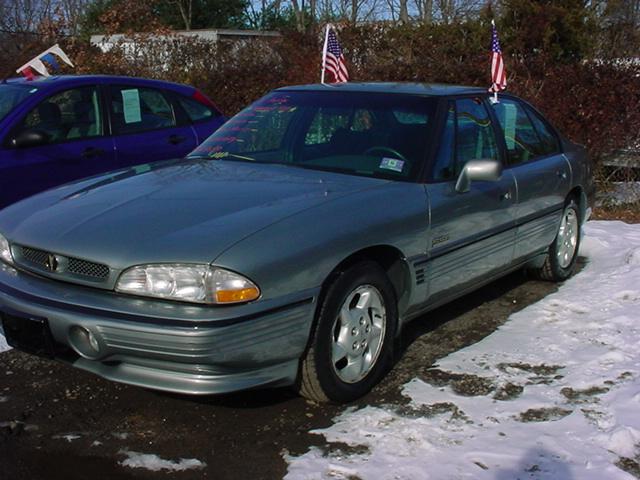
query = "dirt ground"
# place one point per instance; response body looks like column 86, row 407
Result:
column 60, row 423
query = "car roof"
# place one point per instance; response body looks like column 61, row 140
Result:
column 427, row 89
column 71, row 80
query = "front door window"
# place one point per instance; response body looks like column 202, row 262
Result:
column 70, row 115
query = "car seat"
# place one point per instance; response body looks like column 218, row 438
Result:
column 50, row 122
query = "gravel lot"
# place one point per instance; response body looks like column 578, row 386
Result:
column 60, row 423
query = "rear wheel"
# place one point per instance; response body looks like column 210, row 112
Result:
column 563, row 252
column 352, row 343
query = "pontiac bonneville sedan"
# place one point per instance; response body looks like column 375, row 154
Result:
column 294, row 244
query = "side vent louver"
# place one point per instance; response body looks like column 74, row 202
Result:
column 419, row 276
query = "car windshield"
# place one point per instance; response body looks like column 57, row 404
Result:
column 368, row 134
column 12, row 95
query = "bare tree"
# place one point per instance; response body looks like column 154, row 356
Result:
column 185, row 7
column 298, row 11
column 425, row 10
column 451, row 11
column 24, row 15
column 404, row 11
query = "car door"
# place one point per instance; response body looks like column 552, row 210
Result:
column 68, row 143
column 472, row 234
column 145, row 127
column 542, row 173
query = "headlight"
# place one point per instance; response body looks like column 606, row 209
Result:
column 5, row 251
column 188, row 283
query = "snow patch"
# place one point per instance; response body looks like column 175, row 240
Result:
column 68, row 437
column 4, row 346
column 155, row 463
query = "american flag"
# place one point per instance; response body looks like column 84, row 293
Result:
column 334, row 58
column 498, row 73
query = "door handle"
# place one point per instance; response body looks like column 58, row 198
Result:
column 91, row 152
column 505, row 196
column 176, row 139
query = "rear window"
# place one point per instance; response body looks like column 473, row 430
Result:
column 11, row 96
column 196, row 111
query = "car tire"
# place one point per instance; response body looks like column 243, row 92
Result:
column 351, row 347
column 560, row 261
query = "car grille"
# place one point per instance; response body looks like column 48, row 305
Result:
column 69, row 265
column 37, row 257
column 88, row 269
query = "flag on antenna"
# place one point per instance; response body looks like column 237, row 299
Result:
column 333, row 60
column 498, row 72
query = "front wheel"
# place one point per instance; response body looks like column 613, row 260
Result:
column 352, row 344
column 563, row 252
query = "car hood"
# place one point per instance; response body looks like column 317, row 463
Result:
column 187, row 211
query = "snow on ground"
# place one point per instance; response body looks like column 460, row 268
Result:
column 558, row 393
column 155, row 463
column 3, row 342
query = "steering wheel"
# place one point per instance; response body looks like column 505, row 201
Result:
column 381, row 149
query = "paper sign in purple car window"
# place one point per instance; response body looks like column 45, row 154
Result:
column 131, row 106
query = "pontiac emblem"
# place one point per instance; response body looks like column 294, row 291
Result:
column 51, row 263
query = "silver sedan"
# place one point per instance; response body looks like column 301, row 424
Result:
column 295, row 243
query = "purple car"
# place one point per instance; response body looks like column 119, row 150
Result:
column 57, row 129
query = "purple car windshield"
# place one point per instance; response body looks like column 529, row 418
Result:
column 357, row 133
column 12, row 95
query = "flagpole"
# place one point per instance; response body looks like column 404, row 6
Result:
column 495, row 87
column 324, row 52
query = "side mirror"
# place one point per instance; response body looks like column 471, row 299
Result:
column 487, row 170
column 30, row 138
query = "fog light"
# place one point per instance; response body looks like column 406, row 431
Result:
column 84, row 342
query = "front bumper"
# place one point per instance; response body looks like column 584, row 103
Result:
column 166, row 345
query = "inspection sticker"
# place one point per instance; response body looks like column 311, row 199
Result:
column 392, row 164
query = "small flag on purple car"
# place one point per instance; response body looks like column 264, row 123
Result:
column 37, row 65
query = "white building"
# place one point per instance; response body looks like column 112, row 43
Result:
column 128, row 42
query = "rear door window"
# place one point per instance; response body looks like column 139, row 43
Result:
column 139, row 109
column 549, row 143
column 526, row 136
